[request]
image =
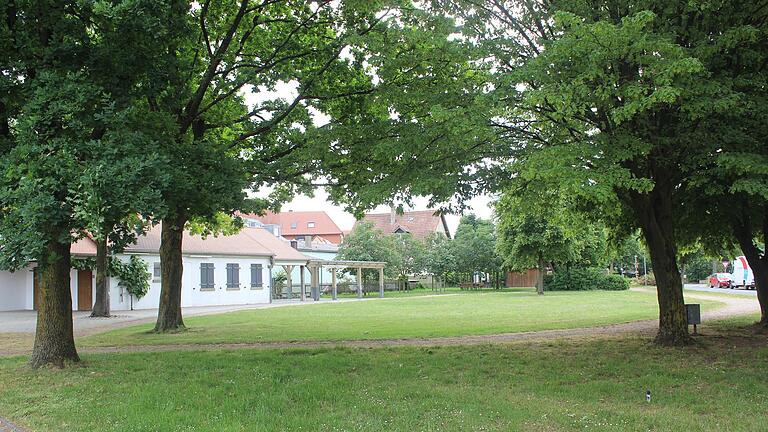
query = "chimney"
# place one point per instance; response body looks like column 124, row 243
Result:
column 392, row 214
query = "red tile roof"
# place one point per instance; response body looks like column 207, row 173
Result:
column 418, row 223
column 248, row 242
column 83, row 247
column 324, row 225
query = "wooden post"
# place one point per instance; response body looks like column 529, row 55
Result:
column 333, row 282
column 381, row 282
column 288, row 280
column 302, row 282
column 315, row 281
column 359, row 282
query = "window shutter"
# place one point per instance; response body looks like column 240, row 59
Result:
column 206, row 275
column 256, row 275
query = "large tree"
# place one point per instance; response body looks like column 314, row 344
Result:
column 605, row 99
column 529, row 237
column 291, row 94
column 732, row 189
column 73, row 70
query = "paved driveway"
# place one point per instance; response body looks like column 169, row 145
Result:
column 706, row 288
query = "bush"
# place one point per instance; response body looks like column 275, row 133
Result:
column 584, row 279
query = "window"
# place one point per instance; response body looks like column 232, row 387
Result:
column 233, row 276
column 157, row 273
column 256, row 276
column 294, row 225
column 310, row 224
column 206, row 277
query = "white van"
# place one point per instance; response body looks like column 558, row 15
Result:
column 741, row 275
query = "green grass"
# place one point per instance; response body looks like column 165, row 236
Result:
column 475, row 313
column 719, row 385
column 420, row 292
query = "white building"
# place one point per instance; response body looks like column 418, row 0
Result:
column 223, row 270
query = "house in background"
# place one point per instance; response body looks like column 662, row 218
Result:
column 19, row 290
column 304, row 225
column 224, row 270
column 419, row 224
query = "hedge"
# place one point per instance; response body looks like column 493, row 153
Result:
column 584, row 279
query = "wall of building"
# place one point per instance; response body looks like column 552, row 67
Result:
column 191, row 294
column 13, row 295
column 17, row 289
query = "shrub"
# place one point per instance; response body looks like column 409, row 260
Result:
column 584, row 279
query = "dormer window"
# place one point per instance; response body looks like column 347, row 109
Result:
column 293, row 225
column 310, row 224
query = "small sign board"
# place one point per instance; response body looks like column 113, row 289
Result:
column 693, row 313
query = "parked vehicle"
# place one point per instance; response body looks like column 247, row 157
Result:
column 741, row 275
column 720, row 280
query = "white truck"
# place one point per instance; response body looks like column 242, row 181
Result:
column 741, row 275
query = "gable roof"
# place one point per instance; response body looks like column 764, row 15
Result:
column 324, row 225
column 83, row 247
column 418, row 223
column 248, row 242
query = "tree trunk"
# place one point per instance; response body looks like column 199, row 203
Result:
column 54, row 339
column 742, row 230
column 654, row 212
column 540, row 279
column 169, row 317
column 101, row 305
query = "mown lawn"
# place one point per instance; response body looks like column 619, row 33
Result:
column 575, row 385
column 449, row 315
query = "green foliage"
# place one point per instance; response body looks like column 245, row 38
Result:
column 474, row 246
column 696, row 266
column 133, row 275
column 440, row 258
column 77, row 136
column 584, row 279
column 365, row 243
column 544, row 229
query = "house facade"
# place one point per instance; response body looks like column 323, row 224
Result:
column 299, row 225
column 223, row 270
column 419, row 224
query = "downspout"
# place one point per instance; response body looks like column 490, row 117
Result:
column 271, row 264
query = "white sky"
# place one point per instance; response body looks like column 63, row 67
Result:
column 479, row 206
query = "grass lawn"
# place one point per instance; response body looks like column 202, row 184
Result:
column 574, row 385
column 420, row 292
column 473, row 313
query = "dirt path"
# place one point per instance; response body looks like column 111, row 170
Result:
column 733, row 307
column 7, row 426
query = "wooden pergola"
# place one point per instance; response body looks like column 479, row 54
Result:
column 315, row 266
